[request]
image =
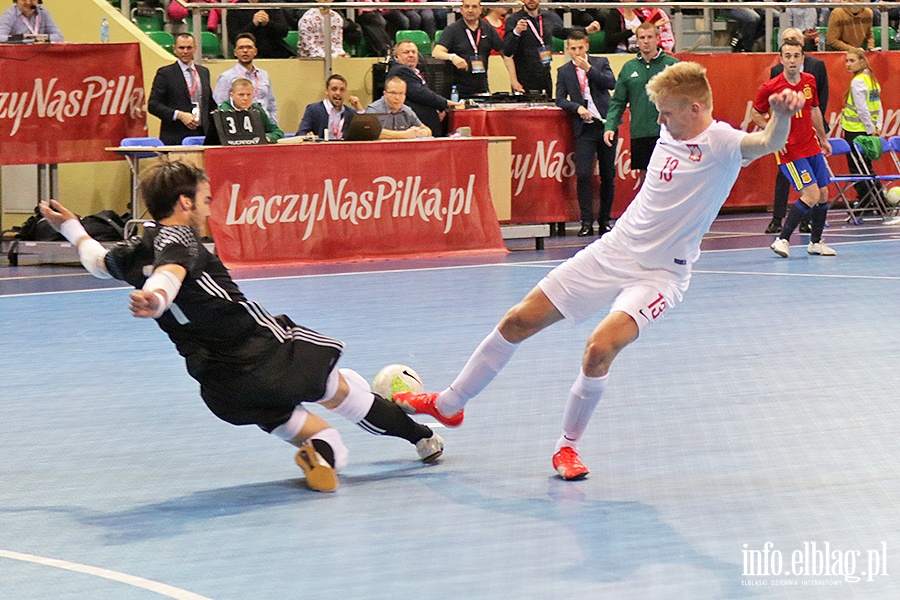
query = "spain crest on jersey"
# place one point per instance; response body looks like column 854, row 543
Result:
column 807, row 92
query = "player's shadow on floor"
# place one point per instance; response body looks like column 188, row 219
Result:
column 174, row 516
column 617, row 539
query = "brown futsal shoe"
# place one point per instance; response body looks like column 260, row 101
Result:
column 320, row 476
column 423, row 404
column 568, row 465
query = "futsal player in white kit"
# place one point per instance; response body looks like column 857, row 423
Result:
column 643, row 266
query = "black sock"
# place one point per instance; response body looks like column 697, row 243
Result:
column 324, row 448
column 795, row 215
column 386, row 418
column 817, row 216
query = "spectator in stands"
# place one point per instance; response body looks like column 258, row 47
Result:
column 659, row 17
column 630, row 91
column 181, row 97
column 177, row 13
column 420, row 18
column 467, row 43
column 862, row 115
column 804, row 19
column 428, row 105
column 311, row 41
column 331, row 114
column 750, row 26
column 527, row 46
column 269, row 26
column 850, row 27
column 240, row 97
column 398, row 121
column 621, row 25
column 263, row 94
column 582, row 89
column 27, row 18
column 374, row 30
column 497, row 18
column 815, row 67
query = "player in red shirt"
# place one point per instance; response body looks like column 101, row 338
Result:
column 803, row 158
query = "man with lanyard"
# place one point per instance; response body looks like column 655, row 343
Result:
column 803, row 158
column 528, row 39
column 181, row 96
column 27, row 18
column 330, row 118
column 263, row 94
column 467, row 44
column 582, row 88
column 631, row 91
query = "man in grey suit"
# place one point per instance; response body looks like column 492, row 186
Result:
column 181, row 96
column 582, row 88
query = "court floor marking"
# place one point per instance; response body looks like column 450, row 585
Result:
column 806, row 275
column 132, row 580
column 542, row 264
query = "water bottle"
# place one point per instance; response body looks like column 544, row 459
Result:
column 821, row 42
column 454, row 94
column 104, row 31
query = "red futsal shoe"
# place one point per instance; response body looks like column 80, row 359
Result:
column 568, row 465
column 423, row 404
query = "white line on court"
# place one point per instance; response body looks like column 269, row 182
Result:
column 808, row 275
column 132, row 580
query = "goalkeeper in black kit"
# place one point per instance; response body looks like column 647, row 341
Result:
column 253, row 367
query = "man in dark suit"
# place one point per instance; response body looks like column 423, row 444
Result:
column 428, row 105
column 330, row 115
column 582, row 88
column 181, row 96
column 815, row 67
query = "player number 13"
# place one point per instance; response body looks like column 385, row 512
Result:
column 666, row 172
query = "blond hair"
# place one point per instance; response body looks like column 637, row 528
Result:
column 685, row 81
column 860, row 55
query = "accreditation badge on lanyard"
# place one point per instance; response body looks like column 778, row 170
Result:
column 476, row 63
column 543, row 49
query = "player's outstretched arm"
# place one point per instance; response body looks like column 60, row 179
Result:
column 91, row 253
column 158, row 293
column 784, row 105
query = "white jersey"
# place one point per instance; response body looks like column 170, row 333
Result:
column 687, row 183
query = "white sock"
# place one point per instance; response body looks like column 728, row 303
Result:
column 583, row 399
column 488, row 359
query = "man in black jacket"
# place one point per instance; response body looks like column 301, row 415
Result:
column 268, row 27
column 427, row 104
column 181, row 96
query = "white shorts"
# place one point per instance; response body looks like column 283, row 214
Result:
column 601, row 274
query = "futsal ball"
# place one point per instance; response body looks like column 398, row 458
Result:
column 893, row 195
column 396, row 378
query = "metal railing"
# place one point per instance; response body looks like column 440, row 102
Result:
column 771, row 9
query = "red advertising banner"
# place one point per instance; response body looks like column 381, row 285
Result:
column 292, row 204
column 543, row 171
column 543, row 159
column 64, row 103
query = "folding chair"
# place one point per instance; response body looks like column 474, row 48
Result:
column 193, row 140
column 134, row 161
column 873, row 201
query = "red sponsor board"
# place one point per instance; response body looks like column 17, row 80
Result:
column 543, row 167
column 64, row 103
column 348, row 201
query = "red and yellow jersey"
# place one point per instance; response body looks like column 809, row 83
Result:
column 802, row 141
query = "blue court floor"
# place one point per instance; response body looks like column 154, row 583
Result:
column 747, row 445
